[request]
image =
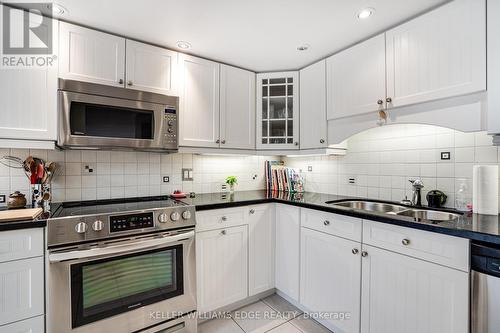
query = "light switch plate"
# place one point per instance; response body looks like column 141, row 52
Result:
column 2, row 198
column 310, row 168
column 445, row 155
column 166, row 179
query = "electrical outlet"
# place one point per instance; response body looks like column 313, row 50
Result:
column 187, row 175
column 352, row 180
column 87, row 168
column 166, row 179
column 310, row 168
column 445, row 155
column 223, row 187
column 2, row 198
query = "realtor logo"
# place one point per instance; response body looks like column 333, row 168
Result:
column 27, row 35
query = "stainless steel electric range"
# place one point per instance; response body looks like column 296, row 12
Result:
column 122, row 266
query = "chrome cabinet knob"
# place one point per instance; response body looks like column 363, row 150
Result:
column 186, row 215
column 388, row 100
column 380, row 102
column 405, row 242
column 175, row 216
column 224, row 218
column 97, row 225
column 355, row 251
column 120, row 81
column 364, row 254
column 129, row 83
column 163, row 218
column 81, row 227
column 223, row 232
column 322, row 141
column 327, row 223
column 252, row 211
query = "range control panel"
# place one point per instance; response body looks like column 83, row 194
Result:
column 131, row 222
column 170, row 120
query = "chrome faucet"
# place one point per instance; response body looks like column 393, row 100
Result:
column 417, row 185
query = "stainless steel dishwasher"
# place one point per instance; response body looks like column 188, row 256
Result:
column 485, row 289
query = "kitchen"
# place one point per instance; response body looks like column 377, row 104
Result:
column 337, row 175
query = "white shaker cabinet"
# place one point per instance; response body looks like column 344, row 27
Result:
column 404, row 294
column 91, row 56
column 199, row 102
column 151, row 68
column 313, row 126
column 32, row 325
column 237, row 108
column 330, row 278
column 221, row 267
column 288, row 250
column 356, row 79
column 493, row 67
column 261, row 236
column 28, row 108
column 278, row 110
column 438, row 55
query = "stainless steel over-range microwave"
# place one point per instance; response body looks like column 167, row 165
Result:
column 94, row 116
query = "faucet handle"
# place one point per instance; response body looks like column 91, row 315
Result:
column 417, row 183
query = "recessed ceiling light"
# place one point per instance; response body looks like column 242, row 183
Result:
column 303, row 47
column 183, row 45
column 365, row 13
column 57, row 9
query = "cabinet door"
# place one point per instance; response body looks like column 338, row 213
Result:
column 330, row 278
column 91, row 56
column 313, row 124
column 287, row 250
column 355, row 79
column 237, row 108
column 438, row 55
column 278, row 110
column 150, row 68
column 28, row 108
column 261, row 227
column 493, row 67
column 221, row 267
column 403, row 294
column 199, row 105
column 21, row 289
column 32, row 325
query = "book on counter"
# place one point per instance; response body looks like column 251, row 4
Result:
column 281, row 178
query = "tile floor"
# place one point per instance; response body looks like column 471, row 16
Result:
column 272, row 314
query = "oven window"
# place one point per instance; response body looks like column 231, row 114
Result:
column 111, row 122
column 107, row 287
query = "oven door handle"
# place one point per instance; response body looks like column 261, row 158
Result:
column 118, row 249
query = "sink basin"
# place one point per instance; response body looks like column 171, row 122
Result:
column 372, row 206
column 429, row 215
column 399, row 210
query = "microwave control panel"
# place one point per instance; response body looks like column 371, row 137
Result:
column 170, row 121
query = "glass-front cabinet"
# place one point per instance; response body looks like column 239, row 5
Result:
column 278, row 110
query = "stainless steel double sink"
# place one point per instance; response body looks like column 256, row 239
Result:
column 399, row 210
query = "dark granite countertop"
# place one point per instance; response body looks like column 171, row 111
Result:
column 481, row 228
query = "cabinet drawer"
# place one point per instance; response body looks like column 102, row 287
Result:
column 440, row 249
column 221, row 218
column 21, row 289
column 32, row 325
column 333, row 224
column 18, row 244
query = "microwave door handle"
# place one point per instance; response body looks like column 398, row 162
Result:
column 118, row 249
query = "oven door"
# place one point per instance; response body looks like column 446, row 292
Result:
column 91, row 121
column 123, row 287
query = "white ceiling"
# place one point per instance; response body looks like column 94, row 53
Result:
column 261, row 35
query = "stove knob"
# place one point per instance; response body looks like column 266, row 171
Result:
column 81, row 227
column 186, row 215
column 97, row 225
column 175, row 216
column 163, row 218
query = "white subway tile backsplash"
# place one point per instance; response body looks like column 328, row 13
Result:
column 73, row 156
column 464, row 155
column 486, row 154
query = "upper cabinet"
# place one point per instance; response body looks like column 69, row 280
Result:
column 97, row 57
column 199, row 102
column 151, row 68
column 356, row 79
column 91, row 56
column 278, row 110
column 313, row 129
column 237, row 108
column 29, row 100
column 438, row 55
column 493, row 67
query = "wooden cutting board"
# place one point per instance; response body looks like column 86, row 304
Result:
column 20, row 214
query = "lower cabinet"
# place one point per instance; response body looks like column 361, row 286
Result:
column 261, row 235
column 330, row 279
column 221, row 267
column 287, row 250
column 32, row 325
column 404, row 294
